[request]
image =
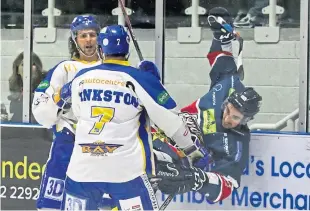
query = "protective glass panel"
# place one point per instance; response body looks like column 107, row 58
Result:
column 270, row 55
column 12, row 21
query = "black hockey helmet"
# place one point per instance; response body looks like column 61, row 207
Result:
column 248, row 102
column 221, row 12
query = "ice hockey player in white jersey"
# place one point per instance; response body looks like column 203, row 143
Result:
column 49, row 109
column 112, row 153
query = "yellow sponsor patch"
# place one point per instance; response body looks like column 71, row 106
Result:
column 209, row 123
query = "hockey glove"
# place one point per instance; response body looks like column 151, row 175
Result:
column 63, row 97
column 218, row 17
column 150, row 67
column 178, row 179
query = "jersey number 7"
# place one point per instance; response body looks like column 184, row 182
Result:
column 105, row 115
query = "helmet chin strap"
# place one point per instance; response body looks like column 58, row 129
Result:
column 81, row 51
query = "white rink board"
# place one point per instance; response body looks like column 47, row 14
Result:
column 277, row 177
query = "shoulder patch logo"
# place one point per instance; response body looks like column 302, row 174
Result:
column 44, row 84
column 163, row 97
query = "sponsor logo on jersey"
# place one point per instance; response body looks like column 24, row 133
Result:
column 217, row 87
column 225, row 144
column 136, row 207
column 163, row 97
column 99, row 148
column 104, row 81
column 209, row 123
column 44, row 84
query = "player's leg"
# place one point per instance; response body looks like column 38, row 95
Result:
column 134, row 195
column 82, row 195
column 52, row 183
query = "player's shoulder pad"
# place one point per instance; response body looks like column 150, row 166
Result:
column 153, row 87
column 85, row 70
column 132, row 71
column 228, row 85
column 46, row 81
column 146, row 80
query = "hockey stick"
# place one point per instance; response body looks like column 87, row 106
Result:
column 170, row 196
column 228, row 28
column 135, row 42
column 167, row 202
column 128, row 23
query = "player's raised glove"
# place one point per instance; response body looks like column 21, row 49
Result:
column 150, row 67
column 216, row 17
column 62, row 97
column 176, row 179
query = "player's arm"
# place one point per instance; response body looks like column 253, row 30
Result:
column 221, row 60
column 162, row 110
column 217, row 184
column 213, row 185
column 44, row 108
column 220, row 55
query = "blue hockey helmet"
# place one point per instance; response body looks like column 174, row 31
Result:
column 84, row 22
column 114, row 40
column 81, row 22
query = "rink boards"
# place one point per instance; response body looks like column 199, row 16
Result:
column 277, row 176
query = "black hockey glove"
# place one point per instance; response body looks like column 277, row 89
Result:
column 177, row 179
column 215, row 17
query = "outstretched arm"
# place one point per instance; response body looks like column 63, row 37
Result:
column 177, row 179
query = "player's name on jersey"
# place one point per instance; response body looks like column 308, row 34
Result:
column 108, row 96
column 103, row 81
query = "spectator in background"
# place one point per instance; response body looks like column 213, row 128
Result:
column 255, row 17
column 16, row 85
column 242, row 8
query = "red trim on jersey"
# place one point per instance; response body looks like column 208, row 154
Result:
column 173, row 148
column 192, row 108
column 153, row 130
column 213, row 56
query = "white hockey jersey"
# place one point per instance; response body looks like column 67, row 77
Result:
column 110, row 102
column 44, row 109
